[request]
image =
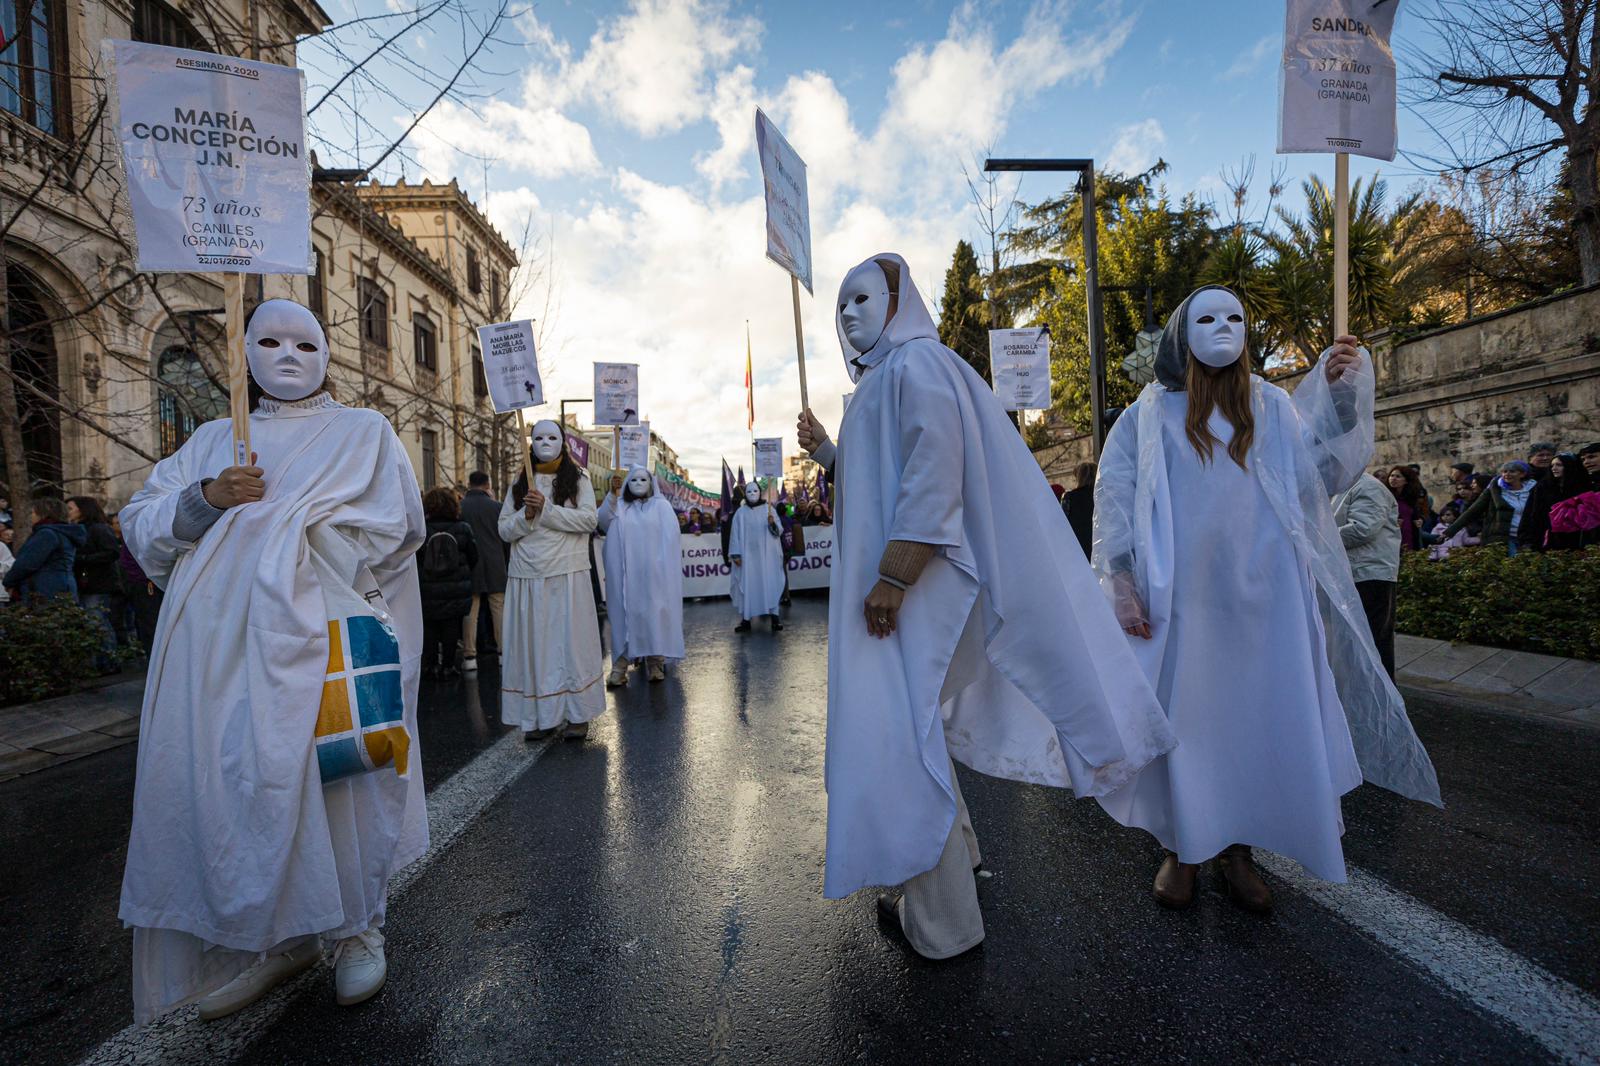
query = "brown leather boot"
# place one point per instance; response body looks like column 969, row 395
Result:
column 1174, row 885
column 1245, row 887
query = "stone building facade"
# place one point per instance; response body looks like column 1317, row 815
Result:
column 114, row 369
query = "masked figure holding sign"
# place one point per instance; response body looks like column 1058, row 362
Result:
column 953, row 633
column 279, row 783
column 755, row 549
column 644, row 576
column 552, row 663
column 1214, row 536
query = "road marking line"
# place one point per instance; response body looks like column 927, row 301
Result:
column 180, row 1037
column 1561, row 1017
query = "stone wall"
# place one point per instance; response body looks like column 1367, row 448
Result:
column 1480, row 392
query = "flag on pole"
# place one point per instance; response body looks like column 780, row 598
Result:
column 727, row 489
column 749, row 384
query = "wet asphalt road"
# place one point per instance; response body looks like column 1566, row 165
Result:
column 654, row 895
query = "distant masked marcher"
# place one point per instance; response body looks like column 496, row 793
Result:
column 644, row 577
column 552, row 665
column 755, row 549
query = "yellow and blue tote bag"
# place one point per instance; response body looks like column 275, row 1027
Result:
column 361, row 721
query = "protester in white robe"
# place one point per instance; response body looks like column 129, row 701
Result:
column 963, row 621
column 1230, row 577
column 644, row 576
column 241, row 861
column 755, row 548
column 552, row 664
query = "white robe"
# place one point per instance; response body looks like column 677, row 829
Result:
column 760, row 585
column 236, row 844
column 1260, row 652
column 1006, row 656
column 552, row 663
column 644, row 578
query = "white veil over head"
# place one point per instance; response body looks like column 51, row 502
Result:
column 911, row 321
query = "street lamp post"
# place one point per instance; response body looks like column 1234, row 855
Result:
column 1084, row 168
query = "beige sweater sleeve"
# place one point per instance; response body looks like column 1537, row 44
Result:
column 903, row 561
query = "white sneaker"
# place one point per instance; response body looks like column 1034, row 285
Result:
column 262, row 977
column 359, row 968
column 469, row 666
column 619, row 674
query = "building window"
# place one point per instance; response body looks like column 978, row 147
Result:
column 185, row 396
column 480, row 384
column 494, row 293
column 430, row 459
column 474, row 272
column 33, row 63
column 374, row 314
column 25, row 321
column 426, row 341
column 156, row 23
column 317, row 289
column 480, row 457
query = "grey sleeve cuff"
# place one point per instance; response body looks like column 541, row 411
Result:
column 194, row 515
column 824, row 455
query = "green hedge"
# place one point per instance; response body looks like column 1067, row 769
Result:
column 1545, row 602
column 47, row 647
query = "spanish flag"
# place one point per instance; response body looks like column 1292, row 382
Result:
column 749, row 384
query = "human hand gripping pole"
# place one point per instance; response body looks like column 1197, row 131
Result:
column 812, row 435
column 533, row 504
column 1344, row 354
column 235, row 485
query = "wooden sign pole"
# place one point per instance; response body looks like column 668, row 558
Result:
column 1341, row 244
column 238, row 366
column 527, row 456
column 799, row 342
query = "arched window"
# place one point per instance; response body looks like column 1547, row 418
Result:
column 186, row 396
column 33, row 362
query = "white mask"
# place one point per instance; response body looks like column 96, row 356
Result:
column 286, row 349
column 638, row 485
column 864, row 306
column 1215, row 327
column 752, row 493
column 547, row 440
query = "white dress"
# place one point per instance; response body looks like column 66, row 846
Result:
column 644, row 578
column 552, row 663
column 237, row 846
column 1259, row 651
column 760, row 584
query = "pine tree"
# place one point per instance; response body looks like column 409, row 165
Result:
column 963, row 314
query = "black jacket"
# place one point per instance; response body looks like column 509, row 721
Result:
column 1078, row 505
column 446, row 584
column 481, row 512
column 95, row 567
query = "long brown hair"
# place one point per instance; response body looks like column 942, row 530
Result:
column 1228, row 390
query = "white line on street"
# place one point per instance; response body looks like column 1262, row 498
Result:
column 180, row 1037
column 1561, row 1017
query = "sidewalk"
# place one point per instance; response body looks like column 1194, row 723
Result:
column 36, row 735
column 1544, row 686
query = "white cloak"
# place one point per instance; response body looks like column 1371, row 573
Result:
column 644, row 577
column 1005, row 640
column 760, row 584
column 236, row 844
column 1260, row 651
column 552, row 664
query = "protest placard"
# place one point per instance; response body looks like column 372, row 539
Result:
column 214, row 154
column 769, row 457
column 1020, row 362
column 511, row 365
column 633, row 446
column 783, row 174
column 1337, row 84
column 616, row 394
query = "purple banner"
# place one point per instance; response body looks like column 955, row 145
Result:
column 578, row 448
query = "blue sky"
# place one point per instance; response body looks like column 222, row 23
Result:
column 623, row 131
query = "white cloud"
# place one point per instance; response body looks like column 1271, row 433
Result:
column 666, row 275
column 1251, row 58
column 538, row 139
column 1137, row 147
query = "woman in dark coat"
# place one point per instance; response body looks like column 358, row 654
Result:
column 1078, row 505
column 444, row 572
column 95, row 569
column 1566, row 479
column 44, row 562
